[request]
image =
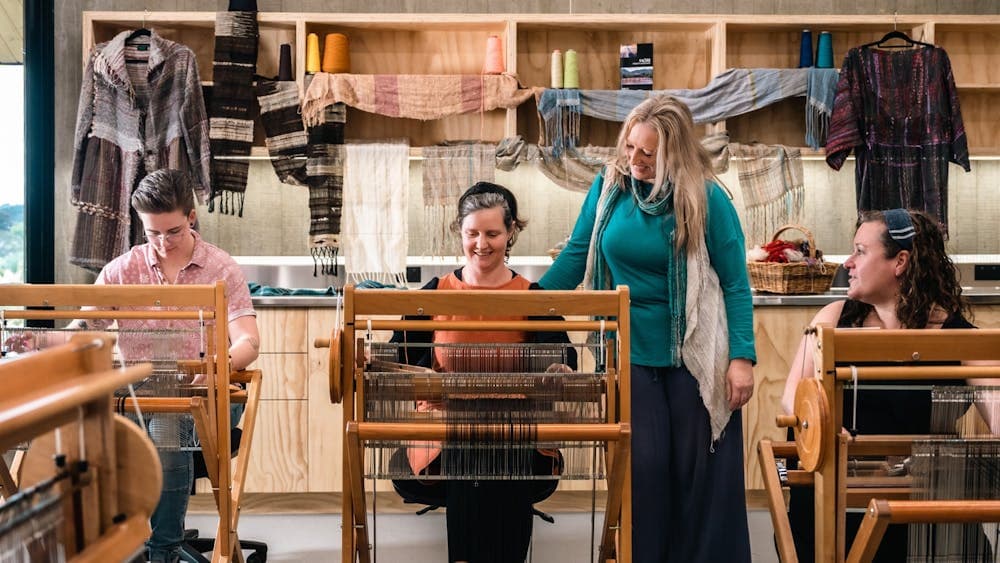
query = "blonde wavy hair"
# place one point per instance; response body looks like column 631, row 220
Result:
column 680, row 159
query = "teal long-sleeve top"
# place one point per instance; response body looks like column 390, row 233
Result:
column 635, row 248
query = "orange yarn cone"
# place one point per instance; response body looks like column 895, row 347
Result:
column 336, row 56
column 494, row 56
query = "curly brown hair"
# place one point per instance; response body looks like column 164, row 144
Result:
column 930, row 279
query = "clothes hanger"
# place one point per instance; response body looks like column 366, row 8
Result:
column 142, row 31
column 896, row 34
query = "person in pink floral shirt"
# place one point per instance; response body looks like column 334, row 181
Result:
column 176, row 254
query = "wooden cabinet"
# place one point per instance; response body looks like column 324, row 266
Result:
column 688, row 52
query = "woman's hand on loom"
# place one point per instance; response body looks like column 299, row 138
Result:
column 558, row 368
column 739, row 382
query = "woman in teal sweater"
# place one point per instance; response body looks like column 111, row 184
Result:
column 656, row 221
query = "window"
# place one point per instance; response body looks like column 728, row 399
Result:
column 12, row 234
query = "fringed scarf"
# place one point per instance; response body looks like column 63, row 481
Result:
column 773, row 192
column 447, row 172
column 698, row 324
column 574, row 168
column 561, row 111
column 416, row 96
column 325, row 177
column 230, row 118
column 376, row 190
column 286, row 136
column 731, row 93
column 821, row 89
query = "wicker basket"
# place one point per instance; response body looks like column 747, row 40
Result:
column 795, row 277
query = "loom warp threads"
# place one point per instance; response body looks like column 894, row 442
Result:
column 312, row 53
column 824, row 50
column 494, row 56
column 336, row 55
column 557, row 69
column 571, row 72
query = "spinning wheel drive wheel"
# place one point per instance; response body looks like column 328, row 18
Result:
column 336, row 370
column 812, row 411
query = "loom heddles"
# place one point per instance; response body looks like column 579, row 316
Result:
column 960, row 465
column 491, row 402
column 168, row 431
column 30, row 525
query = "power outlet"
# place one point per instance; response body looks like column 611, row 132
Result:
column 413, row 274
column 987, row 272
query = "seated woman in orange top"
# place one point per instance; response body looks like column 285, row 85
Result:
column 488, row 520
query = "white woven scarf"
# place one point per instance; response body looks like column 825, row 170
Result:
column 374, row 228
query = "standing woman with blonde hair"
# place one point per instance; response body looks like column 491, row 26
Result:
column 656, row 220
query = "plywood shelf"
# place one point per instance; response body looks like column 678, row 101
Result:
column 688, row 51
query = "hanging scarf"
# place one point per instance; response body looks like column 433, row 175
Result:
column 414, row 96
column 230, row 118
column 821, row 89
column 447, row 172
column 286, row 136
column 698, row 327
column 325, row 177
column 376, row 190
column 773, row 191
column 561, row 111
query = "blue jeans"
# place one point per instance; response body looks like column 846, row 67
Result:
column 178, row 474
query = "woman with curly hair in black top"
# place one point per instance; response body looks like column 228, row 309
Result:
column 900, row 277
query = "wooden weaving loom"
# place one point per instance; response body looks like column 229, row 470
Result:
column 364, row 376
column 95, row 506
column 209, row 406
column 823, row 448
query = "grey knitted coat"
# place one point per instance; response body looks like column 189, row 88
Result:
column 132, row 119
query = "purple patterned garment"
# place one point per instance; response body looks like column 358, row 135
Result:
column 898, row 110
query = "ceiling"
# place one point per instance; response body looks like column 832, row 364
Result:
column 11, row 31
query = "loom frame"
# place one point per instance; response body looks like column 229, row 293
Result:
column 70, row 387
column 819, row 405
column 366, row 309
column 211, row 413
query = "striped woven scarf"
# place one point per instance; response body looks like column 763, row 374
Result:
column 773, row 191
column 325, row 177
column 447, row 172
column 230, row 118
column 286, row 136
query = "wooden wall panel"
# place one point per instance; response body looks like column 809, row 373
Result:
column 282, row 330
column 278, row 459
column 325, row 419
column 777, row 332
column 285, row 376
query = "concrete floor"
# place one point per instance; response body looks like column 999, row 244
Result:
column 421, row 539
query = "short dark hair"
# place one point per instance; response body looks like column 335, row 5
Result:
column 164, row 191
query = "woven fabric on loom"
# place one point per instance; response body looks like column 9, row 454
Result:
column 773, row 192
column 376, row 194
column 286, row 135
column 412, row 96
column 230, row 117
column 325, row 177
column 447, row 172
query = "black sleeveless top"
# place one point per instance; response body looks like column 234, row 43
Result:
column 906, row 410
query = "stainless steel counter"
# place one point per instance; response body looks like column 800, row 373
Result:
column 976, row 296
